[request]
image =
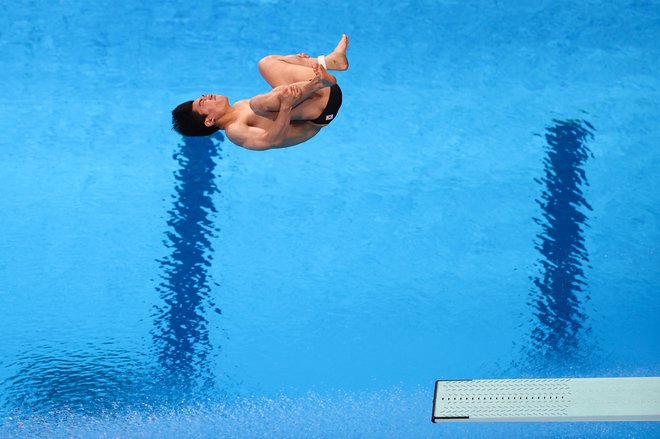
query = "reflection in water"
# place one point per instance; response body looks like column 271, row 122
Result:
column 559, row 288
column 101, row 377
column 181, row 332
column 55, row 379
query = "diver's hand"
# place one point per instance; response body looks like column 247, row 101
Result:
column 290, row 95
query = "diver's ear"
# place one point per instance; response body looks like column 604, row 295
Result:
column 208, row 122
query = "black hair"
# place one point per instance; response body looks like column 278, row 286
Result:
column 189, row 123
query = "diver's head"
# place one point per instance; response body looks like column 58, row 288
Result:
column 200, row 117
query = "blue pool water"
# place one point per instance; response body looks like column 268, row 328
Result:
column 484, row 206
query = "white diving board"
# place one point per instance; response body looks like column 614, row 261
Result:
column 542, row 400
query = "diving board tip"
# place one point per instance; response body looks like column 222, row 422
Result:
column 547, row 400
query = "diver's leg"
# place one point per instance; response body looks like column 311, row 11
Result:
column 280, row 70
column 336, row 60
column 310, row 103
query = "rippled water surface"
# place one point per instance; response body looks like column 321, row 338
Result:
column 484, row 206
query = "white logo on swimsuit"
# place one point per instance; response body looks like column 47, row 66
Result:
column 329, row 117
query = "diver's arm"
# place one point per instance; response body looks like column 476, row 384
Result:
column 273, row 137
column 260, row 139
column 268, row 104
column 278, row 131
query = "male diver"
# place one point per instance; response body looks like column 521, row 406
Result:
column 304, row 99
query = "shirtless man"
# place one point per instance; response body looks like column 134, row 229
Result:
column 304, row 99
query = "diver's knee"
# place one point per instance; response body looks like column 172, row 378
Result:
column 266, row 61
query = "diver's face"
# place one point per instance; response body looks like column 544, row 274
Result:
column 212, row 106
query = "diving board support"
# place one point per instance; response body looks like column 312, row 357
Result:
column 543, row 400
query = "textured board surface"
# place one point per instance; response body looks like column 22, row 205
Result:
column 564, row 399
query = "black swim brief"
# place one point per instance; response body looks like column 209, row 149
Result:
column 330, row 112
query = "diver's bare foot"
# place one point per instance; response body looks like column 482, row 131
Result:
column 323, row 76
column 337, row 59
